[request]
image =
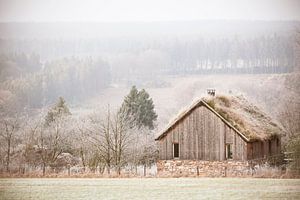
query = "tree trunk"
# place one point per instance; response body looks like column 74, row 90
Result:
column 82, row 159
column 44, row 169
column 145, row 170
column 101, row 168
column 119, row 170
column 108, row 168
column 8, row 155
column 69, row 170
column 136, row 169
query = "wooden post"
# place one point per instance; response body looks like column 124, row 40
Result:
column 69, row 170
column 44, row 169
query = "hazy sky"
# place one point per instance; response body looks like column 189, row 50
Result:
column 147, row 10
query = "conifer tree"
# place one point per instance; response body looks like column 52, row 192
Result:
column 57, row 111
column 138, row 109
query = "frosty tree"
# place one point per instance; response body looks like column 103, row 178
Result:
column 52, row 138
column 8, row 129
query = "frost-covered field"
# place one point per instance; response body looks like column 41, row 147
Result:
column 155, row 188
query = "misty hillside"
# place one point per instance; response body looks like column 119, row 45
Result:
column 41, row 61
column 181, row 91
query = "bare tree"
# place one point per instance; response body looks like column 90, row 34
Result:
column 290, row 119
column 148, row 156
column 51, row 141
column 97, row 134
column 105, row 141
column 29, row 137
column 87, row 144
column 82, row 142
column 9, row 127
column 143, row 149
column 110, row 135
column 120, row 140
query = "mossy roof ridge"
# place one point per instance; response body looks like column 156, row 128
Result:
column 244, row 116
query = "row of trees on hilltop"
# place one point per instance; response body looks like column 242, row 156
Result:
column 258, row 54
column 104, row 141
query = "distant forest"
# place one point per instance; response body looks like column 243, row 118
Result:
column 37, row 67
column 262, row 54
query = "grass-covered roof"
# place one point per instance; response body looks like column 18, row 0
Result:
column 244, row 116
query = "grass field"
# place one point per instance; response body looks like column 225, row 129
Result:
column 181, row 188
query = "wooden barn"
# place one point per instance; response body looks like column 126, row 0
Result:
column 219, row 128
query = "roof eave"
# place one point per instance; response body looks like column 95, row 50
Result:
column 211, row 109
column 177, row 120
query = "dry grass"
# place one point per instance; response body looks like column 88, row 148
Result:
column 244, row 116
column 225, row 100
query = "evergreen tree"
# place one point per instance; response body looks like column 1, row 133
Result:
column 138, row 109
column 57, row 111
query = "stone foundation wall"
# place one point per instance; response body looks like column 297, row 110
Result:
column 194, row 168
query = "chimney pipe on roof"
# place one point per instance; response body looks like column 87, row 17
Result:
column 211, row 92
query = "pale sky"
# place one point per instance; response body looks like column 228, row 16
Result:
column 147, row 10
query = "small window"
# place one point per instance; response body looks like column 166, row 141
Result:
column 228, row 151
column 175, row 150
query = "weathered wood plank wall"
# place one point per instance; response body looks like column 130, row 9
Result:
column 261, row 149
column 202, row 135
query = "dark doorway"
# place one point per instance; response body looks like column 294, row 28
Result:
column 228, row 151
column 176, row 150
